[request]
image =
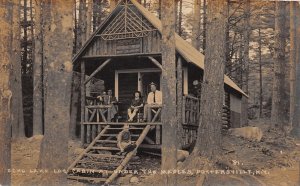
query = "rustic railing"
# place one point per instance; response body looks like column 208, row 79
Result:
column 95, row 114
column 190, row 110
column 190, row 118
column 154, row 115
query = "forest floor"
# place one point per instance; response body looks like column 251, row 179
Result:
column 274, row 161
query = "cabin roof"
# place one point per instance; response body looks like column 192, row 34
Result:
column 185, row 49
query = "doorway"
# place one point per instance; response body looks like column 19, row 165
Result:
column 129, row 80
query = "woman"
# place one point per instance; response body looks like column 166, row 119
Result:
column 136, row 105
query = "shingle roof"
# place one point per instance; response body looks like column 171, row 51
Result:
column 188, row 52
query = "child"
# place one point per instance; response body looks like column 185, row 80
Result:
column 124, row 141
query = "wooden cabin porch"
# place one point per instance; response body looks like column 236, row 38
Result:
column 126, row 56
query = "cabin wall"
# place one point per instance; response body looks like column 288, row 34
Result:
column 149, row 44
column 235, row 110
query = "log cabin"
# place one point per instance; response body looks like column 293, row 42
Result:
column 124, row 54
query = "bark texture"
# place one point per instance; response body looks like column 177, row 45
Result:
column 58, row 52
column 82, row 23
column 5, row 92
column 296, row 114
column 18, row 130
column 293, row 47
column 169, row 119
column 278, row 112
column 38, row 72
column 196, row 32
column 246, row 40
column 89, row 18
column 74, row 104
column 209, row 132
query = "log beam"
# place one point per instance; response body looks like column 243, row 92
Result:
column 97, row 70
column 155, row 62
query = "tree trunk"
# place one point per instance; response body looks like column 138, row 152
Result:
column 18, row 129
column 180, row 18
column 209, row 132
column 5, row 92
column 58, row 52
column 38, row 72
column 196, row 25
column 159, row 9
column 74, row 104
column 179, row 101
column 89, row 19
column 204, row 25
column 260, row 74
column 82, row 101
column 176, row 16
column 76, row 35
column 293, row 31
column 97, row 13
column 278, row 104
column 228, row 64
column 82, row 23
column 169, row 141
column 296, row 116
column 25, row 48
column 246, row 40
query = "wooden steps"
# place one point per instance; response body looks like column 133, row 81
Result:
column 115, row 135
column 106, row 141
column 105, row 148
column 103, row 155
column 102, row 164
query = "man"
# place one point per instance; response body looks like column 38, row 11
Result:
column 154, row 99
column 109, row 99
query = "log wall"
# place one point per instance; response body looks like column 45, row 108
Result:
column 147, row 45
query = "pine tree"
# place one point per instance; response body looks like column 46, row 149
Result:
column 278, row 113
column 18, row 128
column 209, row 138
column 38, row 71
column 58, row 53
column 5, row 92
column 196, row 25
column 169, row 144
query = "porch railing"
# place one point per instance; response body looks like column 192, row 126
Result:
column 190, row 110
column 190, row 118
column 95, row 114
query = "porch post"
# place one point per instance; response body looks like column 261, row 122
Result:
column 179, row 100
column 82, row 95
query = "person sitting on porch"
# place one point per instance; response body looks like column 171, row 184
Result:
column 154, row 98
column 101, row 97
column 136, row 105
column 109, row 99
column 124, row 142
